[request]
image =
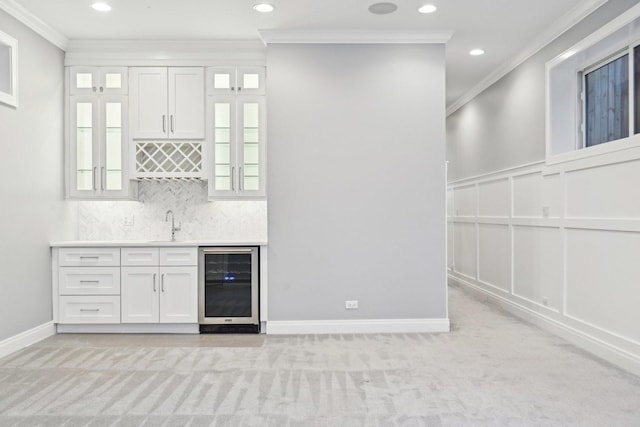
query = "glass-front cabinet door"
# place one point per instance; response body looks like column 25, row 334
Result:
column 98, row 80
column 97, row 141
column 236, row 80
column 239, row 134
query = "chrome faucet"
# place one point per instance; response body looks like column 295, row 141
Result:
column 173, row 225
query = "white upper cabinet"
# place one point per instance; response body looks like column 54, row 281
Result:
column 167, row 102
column 237, row 121
column 97, row 134
column 98, row 80
column 236, row 80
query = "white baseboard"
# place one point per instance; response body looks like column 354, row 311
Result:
column 167, row 328
column 596, row 346
column 365, row 326
column 26, row 338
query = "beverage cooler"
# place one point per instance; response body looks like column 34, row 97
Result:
column 228, row 289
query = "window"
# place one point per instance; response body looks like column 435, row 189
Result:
column 593, row 92
column 606, row 102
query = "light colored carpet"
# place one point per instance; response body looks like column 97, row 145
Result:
column 492, row 369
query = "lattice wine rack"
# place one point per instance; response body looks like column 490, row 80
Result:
column 168, row 160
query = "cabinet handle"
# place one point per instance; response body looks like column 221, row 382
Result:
column 232, row 88
column 162, row 282
column 240, row 179
column 164, row 124
column 154, row 282
column 239, row 88
column 233, row 179
column 90, row 309
column 103, row 178
column 95, row 88
column 95, row 169
column 101, row 89
column 89, row 257
column 89, row 281
column 171, row 123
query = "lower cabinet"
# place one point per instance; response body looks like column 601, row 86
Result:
column 159, row 285
column 159, row 294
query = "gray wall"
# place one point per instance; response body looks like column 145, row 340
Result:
column 356, row 181
column 504, row 126
column 33, row 211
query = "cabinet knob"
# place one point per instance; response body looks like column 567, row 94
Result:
column 232, row 88
column 239, row 88
column 95, row 88
column 101, row 89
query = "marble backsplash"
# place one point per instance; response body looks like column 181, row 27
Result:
column 201, row 219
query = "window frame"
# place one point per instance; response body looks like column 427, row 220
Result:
column 582, row 76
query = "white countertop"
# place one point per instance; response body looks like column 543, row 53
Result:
column 152, row 243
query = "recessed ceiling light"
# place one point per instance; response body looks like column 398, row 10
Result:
column 101, row 7
column 427, row 8
column 263, row 7
column 383, row 8
column 476, row 52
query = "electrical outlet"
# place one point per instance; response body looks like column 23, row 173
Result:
column 545, row 211
column 351, row 305
column 128, row 221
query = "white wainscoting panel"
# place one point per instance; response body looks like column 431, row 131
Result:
column 568, row 255
column 464, row 244
column 494, row 256
column 494, row 198
column 537, row 265
column 603, row 280
column 610, row 191
column 464, row 202
column 537, row 196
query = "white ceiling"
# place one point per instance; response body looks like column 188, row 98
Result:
column 503, row 28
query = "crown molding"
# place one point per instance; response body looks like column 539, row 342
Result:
column 555, row 30
column 34, row 23
column 354, row 37
column 164, row 52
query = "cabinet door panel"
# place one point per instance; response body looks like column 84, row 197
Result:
column 139, row 295
column 222, row 111
column 221, row 80
column 148, row 100
column 179, row 294
column 251, row 81
column 84, row 129
column 251, row 146
column 186, row 102
column 113, row 151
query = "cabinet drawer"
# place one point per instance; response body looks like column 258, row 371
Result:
column 99, row 257
column 89, row 281
column 89, row 309
column 178, row 256
column 140, row 256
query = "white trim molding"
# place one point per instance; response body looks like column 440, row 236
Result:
column 552, row 32
column 34, row 23
column 26, row 338
column 364, row 326
column 354, row 37
column 164, row 53
column 161, row 328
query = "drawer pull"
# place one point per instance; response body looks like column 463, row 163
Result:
column 162, row 282
column 154, row 282
column 90, row 309
column 90, row 257
column 89, row 281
